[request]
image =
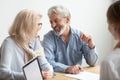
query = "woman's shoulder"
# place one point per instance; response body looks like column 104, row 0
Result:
column 113, row 57
column 116, row 51
column 115, row 54
column 8, row 45
column 8, row 40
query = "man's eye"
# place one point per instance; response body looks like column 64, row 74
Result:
column 39, row 23
column 50, row 21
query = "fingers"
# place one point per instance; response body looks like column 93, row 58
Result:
column 85, row 37
column 77, row 69
column 88, row 39
column 74, row 69
column 47, row 75
column 80, row 68
column 70, row 70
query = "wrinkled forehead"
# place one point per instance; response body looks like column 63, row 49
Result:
column 55, row 16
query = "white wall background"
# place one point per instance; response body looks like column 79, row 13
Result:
column 87, row 15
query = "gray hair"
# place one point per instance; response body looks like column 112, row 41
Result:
column 59, row 10
column 24, row 22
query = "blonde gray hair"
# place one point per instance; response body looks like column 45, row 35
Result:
column 63, row 11
column 24, row 22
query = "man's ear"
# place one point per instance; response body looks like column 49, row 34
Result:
column 67, row 19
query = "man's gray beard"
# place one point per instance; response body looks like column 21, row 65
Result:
column 61, row 31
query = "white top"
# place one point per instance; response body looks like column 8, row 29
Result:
column 110, row 67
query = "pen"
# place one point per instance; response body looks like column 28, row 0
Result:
column 54, row 74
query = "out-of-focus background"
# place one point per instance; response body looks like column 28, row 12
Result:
column 86, row 15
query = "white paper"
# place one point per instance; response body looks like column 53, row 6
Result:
column 84, row 76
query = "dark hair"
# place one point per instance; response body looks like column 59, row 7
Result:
column 113, row 13
column 113, row 17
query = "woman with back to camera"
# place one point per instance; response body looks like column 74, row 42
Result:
column 22, row 45
column 110, row 67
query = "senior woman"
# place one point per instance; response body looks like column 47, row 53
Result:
column 22, row 45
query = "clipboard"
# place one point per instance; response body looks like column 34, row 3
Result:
column 32, row 70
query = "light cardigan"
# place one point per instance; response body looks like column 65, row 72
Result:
column 110, row 67
column 12, row 60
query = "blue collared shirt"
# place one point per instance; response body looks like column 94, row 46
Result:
column 61, row 55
